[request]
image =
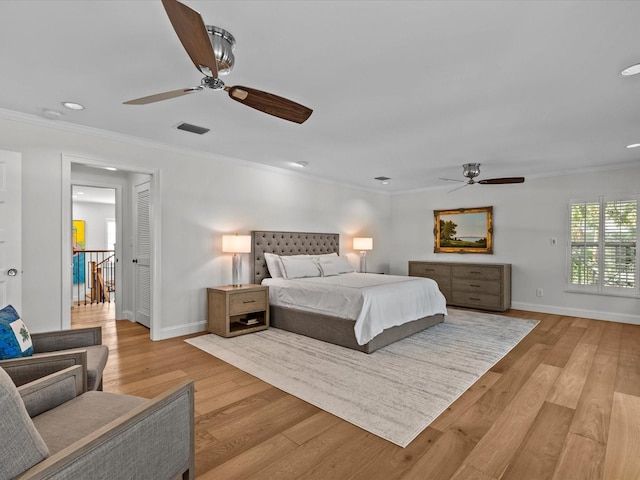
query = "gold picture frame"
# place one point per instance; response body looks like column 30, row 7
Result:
column 463, row 230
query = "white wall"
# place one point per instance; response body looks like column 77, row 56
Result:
column 525, row 217
column 202, row 197
column 94, row 216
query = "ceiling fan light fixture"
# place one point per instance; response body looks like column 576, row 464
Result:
column 631, row 70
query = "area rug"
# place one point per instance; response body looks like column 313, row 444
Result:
column 395, row 392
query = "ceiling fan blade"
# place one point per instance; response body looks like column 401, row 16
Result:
column 270, row 103
column 500, row 181
column 163, row 96
column 458, row 188
column 192, row 32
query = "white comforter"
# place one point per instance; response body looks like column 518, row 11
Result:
column 375, row 302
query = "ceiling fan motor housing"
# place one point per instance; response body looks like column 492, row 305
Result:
column 223, row 46
column 471, row 170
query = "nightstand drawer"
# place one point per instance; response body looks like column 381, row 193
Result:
column 246, row 302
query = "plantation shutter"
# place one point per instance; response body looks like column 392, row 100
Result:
column 585, row 248
column 604, row 246
column 620, row 244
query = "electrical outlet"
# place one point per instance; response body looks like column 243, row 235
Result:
column 539, row 292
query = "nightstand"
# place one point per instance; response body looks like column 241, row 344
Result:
column 237, row 310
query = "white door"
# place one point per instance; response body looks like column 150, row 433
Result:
column 11, row 229
column 142, row 256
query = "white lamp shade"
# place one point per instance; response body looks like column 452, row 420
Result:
column 362, row 243
column 236, row 243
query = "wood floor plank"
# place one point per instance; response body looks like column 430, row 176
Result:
column 628, row 374
column 442, row 460
column 538, row 455
column 581, row 459
column 592, row 415
column 566, row 392
column 502, row 426
column 623, row 445
column 494, row 451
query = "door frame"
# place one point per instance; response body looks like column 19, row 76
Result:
column 155, row 240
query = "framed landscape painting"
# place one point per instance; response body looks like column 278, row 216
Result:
column 464, row 230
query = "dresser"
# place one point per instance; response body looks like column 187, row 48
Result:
column 485, row 286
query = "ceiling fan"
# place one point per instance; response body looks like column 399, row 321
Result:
column 472, row 170
column 211, row 51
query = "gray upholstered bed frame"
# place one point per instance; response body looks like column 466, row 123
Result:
column 334, row 330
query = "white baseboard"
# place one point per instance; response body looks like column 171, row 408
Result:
column 179, row 330
column 127, row 315
column 576, row 312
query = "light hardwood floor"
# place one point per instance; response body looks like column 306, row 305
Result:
column 563, row 404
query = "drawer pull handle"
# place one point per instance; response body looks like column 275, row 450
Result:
column 472, row 285
column 248, row 301
column 476, row 273
column 476, row 299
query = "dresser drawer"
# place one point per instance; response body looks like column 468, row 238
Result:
column 477, row 300
column 476, row 271
column 246, row 302
column 429, row 270
column 490, row 287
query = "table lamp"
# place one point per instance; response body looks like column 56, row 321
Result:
column 363, row 244
column 236, row 244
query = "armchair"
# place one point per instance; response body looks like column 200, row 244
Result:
column 53, row 429
column 54, row 351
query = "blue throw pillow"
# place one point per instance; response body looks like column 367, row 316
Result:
column 15, row 340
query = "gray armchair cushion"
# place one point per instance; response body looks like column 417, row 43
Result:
column 20, row 443
column 81, row 416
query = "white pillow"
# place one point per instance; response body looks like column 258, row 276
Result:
column 299, row 267
column 335, row 265
column 273, row 264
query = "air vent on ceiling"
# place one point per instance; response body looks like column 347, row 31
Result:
column 187, row 127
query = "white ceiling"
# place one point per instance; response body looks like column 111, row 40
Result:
column 408, row 90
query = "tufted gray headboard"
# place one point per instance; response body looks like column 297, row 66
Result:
column 287, row 243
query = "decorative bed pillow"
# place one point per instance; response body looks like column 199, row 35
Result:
column 273, row 264
column 299, row 267
column 15, row 340
column 334, row 265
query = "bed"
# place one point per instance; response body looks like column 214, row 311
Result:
column 330, row 328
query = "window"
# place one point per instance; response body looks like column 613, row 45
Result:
column 604, row 246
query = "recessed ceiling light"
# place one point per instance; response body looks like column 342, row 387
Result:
column 301, row 164
column 631, row 70
column 111, row 169
column 73, row 105
column 633, row 145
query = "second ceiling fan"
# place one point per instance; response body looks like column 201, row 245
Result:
column 211, row 51
column 472, row 170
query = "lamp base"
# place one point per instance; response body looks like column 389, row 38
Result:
column 237, row 270
column 363, row 262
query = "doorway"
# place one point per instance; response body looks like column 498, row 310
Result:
column 95, row 249
column 77, row 171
